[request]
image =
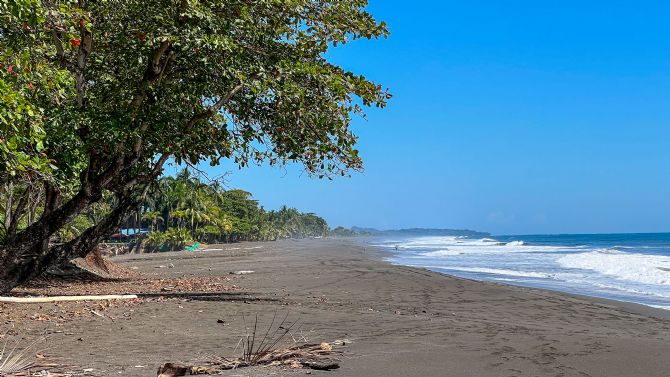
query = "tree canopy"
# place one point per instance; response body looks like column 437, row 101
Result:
column 98, row 95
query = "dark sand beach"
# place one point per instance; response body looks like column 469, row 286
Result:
column 395, row 321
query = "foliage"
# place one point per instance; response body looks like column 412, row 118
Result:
column 343, row 232
column 28, row 81
column 97, row 95
column 74, row 228
column 154, row 217
column 208, row 213
column 170, row 240
column 197, row 80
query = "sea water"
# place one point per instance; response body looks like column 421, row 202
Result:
column 625, row 267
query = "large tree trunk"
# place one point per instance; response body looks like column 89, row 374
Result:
column 28, row 254
column 27, row 260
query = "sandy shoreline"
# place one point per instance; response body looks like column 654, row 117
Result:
column 397, row 321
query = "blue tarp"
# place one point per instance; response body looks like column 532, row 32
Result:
column 133, row 231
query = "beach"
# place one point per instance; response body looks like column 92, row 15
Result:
column 387, row 320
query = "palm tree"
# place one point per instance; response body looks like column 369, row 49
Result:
column 153, row 217
column 210, row 212
column 179, row 216
column 197, row 217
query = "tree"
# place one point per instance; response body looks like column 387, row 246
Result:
column 143, row 81
column 154, row 217
column 209, row 213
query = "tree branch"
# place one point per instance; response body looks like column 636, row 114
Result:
column 145, row 178
column 84, row 51
column 59, row 46
column 92, row 236
column 17, row 214
column 216, row 107
column 153, row 73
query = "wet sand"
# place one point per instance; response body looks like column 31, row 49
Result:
column 395, row 321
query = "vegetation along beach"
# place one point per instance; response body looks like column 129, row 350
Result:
column 334, row 187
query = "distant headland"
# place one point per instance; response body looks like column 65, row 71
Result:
column 362, row 231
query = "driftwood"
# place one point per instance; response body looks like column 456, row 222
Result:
column 176, row 370
column 264, row 348
column 321, row 365
column 312, row 356
column 41, row 300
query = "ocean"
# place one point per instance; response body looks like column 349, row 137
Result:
column 625, row 267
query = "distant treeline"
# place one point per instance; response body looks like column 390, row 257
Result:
column 177, row 211
column 358, row 231
column 182, row 209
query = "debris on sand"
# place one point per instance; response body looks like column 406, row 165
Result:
column 148, row 288
column 133, row 285
column 243, row 272
column 177, row 369
column 266, row 348
column 94, row 265
column 327, row 347
column 17, row 360
column 312, row 356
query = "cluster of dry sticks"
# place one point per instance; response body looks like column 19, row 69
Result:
column 16, row 361
column 277, row 346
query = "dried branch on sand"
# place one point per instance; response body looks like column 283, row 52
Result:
column 313, row 356
column 175, row 369
column 19, row 361
column 14, row 360
column 272, row 348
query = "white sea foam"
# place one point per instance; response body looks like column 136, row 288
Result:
column 449, row 246
column 505, row 272
column 427, row 242
column 488, row 240
column 515, row 243
column 660, row 307
column 645, row 290
column 640, row 268
column 441, row 253
column 492, row 271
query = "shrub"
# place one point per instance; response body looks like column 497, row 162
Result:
column 170, row 240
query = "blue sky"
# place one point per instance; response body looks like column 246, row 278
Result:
column 509, row 117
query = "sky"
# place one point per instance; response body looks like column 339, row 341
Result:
column 514, row 117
